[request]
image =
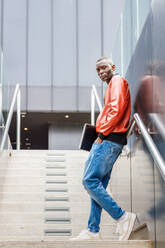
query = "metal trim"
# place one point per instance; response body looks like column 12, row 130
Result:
column 57, row 209
column 58, row 232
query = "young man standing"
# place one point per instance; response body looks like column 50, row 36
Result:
column 112, row 125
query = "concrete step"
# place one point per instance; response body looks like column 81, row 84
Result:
column 22, row 180
column 28, row 188
column 79, row 207
column 32, row 209
column 36, row 217
column 10, row 180
column 78, row 244
column 9, row 188
column 37, row 207
column 39, row 229
column 44, row 238
column 19, row 175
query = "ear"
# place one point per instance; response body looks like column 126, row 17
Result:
column 113, row 67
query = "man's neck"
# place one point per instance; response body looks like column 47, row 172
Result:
column 108, row 81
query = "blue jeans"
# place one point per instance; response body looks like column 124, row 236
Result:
column 97, row 173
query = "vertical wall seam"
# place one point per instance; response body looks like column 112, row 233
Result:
column 52, row 53
column 154, row 176
column 131, row 181
column 137, row 23
column 131, row 34
column 77, row 54
column 121, row 43
column 102, row 27
column 102, row 40
column 1, row 66
column 1, row 43
column 27, row 54
column 131, row 170
column 2, row 22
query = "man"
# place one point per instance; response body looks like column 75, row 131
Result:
column 112, row 125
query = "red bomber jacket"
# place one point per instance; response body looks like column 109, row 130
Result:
column 115, row 115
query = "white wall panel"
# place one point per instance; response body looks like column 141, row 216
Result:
column 15, row 41
column 89, row 40
column 64, row 46
column 56, row 41
column 65, row 137
column 39, row 43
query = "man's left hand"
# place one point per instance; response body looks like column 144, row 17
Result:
column 98, row 140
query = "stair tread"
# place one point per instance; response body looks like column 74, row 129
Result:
column 28, row 230
column 69, row 244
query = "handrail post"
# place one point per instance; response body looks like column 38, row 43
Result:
column 97, row 98
column 92, row 108
column 18, row 119
column 131, row 128
column 9, row 118
column 93, row 95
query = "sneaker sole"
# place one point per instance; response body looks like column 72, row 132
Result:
column 131, row 225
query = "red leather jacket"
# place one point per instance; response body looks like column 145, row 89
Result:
column 115, row 115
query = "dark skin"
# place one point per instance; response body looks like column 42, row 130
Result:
column 105, row 72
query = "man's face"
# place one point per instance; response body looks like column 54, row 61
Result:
column 104, row 70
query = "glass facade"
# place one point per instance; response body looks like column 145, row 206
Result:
column 132, row 22
column 141, row 57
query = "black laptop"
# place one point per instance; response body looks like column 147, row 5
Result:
column 88, row 136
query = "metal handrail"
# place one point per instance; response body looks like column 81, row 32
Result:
column 149, row 142
column 16, row 96
column 94, row 95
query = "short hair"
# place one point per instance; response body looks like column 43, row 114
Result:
column 108, row 59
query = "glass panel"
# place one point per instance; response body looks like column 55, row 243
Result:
column 116, row 55
column 158, row 72
column 144, row 9
column 135, row 24
column 127, row 35
column 134, row 16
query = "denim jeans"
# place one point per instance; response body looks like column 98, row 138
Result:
column 97, row 174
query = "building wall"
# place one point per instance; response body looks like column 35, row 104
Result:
column 50, row 48
column 64, row 137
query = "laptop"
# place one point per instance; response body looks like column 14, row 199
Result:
column 88, row 137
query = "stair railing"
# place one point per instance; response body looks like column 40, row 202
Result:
column 94, row 95
column 16, row 97
column 149, row 142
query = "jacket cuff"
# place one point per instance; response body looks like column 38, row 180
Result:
column 101, row 136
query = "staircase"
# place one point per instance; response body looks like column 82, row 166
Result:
column 43, row 203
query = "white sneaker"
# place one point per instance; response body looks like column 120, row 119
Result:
column 86, row 235
column 125, row 226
